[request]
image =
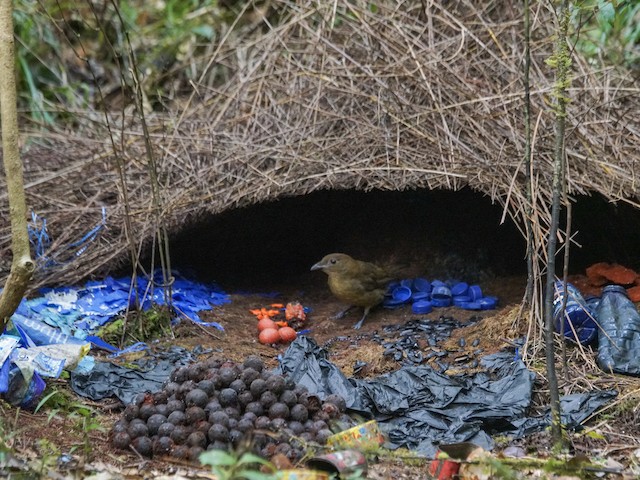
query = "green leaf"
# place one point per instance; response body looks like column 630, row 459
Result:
column 205, row 31
column 606, row 12
column 251, row 458
column 217, row 457
column 44, row 400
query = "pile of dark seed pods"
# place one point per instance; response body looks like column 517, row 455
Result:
column 217, row 404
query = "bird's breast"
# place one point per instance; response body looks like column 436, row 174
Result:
column 354, row 292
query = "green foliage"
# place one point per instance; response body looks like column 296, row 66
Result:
column 39, row 78
column 140, row 326
column 232, row 466
column 84, row 418
column 608, row 30
column 65, row 49
column 48, row 454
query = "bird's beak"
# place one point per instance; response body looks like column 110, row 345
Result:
column 318, row 266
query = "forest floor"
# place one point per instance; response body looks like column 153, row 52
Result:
column 71, row 440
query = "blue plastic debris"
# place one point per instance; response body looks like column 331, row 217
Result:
column 578, row 315
column 136, row 347
column 421, row 307
column 475, row 292
column 77, row 312
column 20, row 366
column 441, row 302
column 438, row 294
column 40, row 240
column 460, row 288
column 52, row 332
column 421, row 285
column 441, row 292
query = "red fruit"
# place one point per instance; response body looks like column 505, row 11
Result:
column 634, row 294
column 601, row 273
column 266, row 323
column 620, row 275
column 287, row 334
column 269, row 336
column 594, row 272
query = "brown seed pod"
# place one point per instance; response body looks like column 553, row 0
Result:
column 121, row 440
column 143, row 446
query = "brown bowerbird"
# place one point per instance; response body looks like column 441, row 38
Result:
column 357, row 283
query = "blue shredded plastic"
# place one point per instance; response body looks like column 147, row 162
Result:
column 40, row 240
column 38, row 235
column 136, row 347
column 78, row 312
column 70, row 315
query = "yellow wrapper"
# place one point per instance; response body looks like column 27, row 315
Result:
column 302, row 474
column 364, row 436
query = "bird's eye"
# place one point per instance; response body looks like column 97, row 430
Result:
column 334, row 261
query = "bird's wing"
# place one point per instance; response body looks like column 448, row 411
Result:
column 373, row 277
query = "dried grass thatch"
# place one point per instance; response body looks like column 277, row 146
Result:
column 337, row 96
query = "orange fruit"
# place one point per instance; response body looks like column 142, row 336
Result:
column 287, row 334
column 269, row 336
column 266, row 323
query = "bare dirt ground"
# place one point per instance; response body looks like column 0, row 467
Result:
column 60, row 443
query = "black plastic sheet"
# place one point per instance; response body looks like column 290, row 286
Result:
column 419, row 408
column 108, row 379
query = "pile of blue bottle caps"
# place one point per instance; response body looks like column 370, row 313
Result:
column 424, row 295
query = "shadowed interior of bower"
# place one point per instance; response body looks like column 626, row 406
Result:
column 437, row 234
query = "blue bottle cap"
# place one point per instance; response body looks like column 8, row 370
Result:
column 441, row 302
column 441, row 291
column 471, row 305
column 475, row 292
column 421, row 307
column 407, row 282
column 422, row 285
column 390, row 302
column 457, row 301
column 420, row 296
column 401, row 294
column 460, row 288
column 488, row 303
column 614, row 289
column 392, row 285
column 438, row 283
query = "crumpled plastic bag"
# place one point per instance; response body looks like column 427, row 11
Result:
column 36, row 351
column 108, row 379
column 419, row 408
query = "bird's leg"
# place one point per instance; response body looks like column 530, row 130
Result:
column 342, row 313
column 359, row 324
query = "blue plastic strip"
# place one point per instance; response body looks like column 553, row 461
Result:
column 98, row 342
column 41, row 241
column 4, row 376
column 136, row 347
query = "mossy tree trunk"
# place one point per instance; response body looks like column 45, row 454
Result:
column 561, row 62
column 22, row 266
